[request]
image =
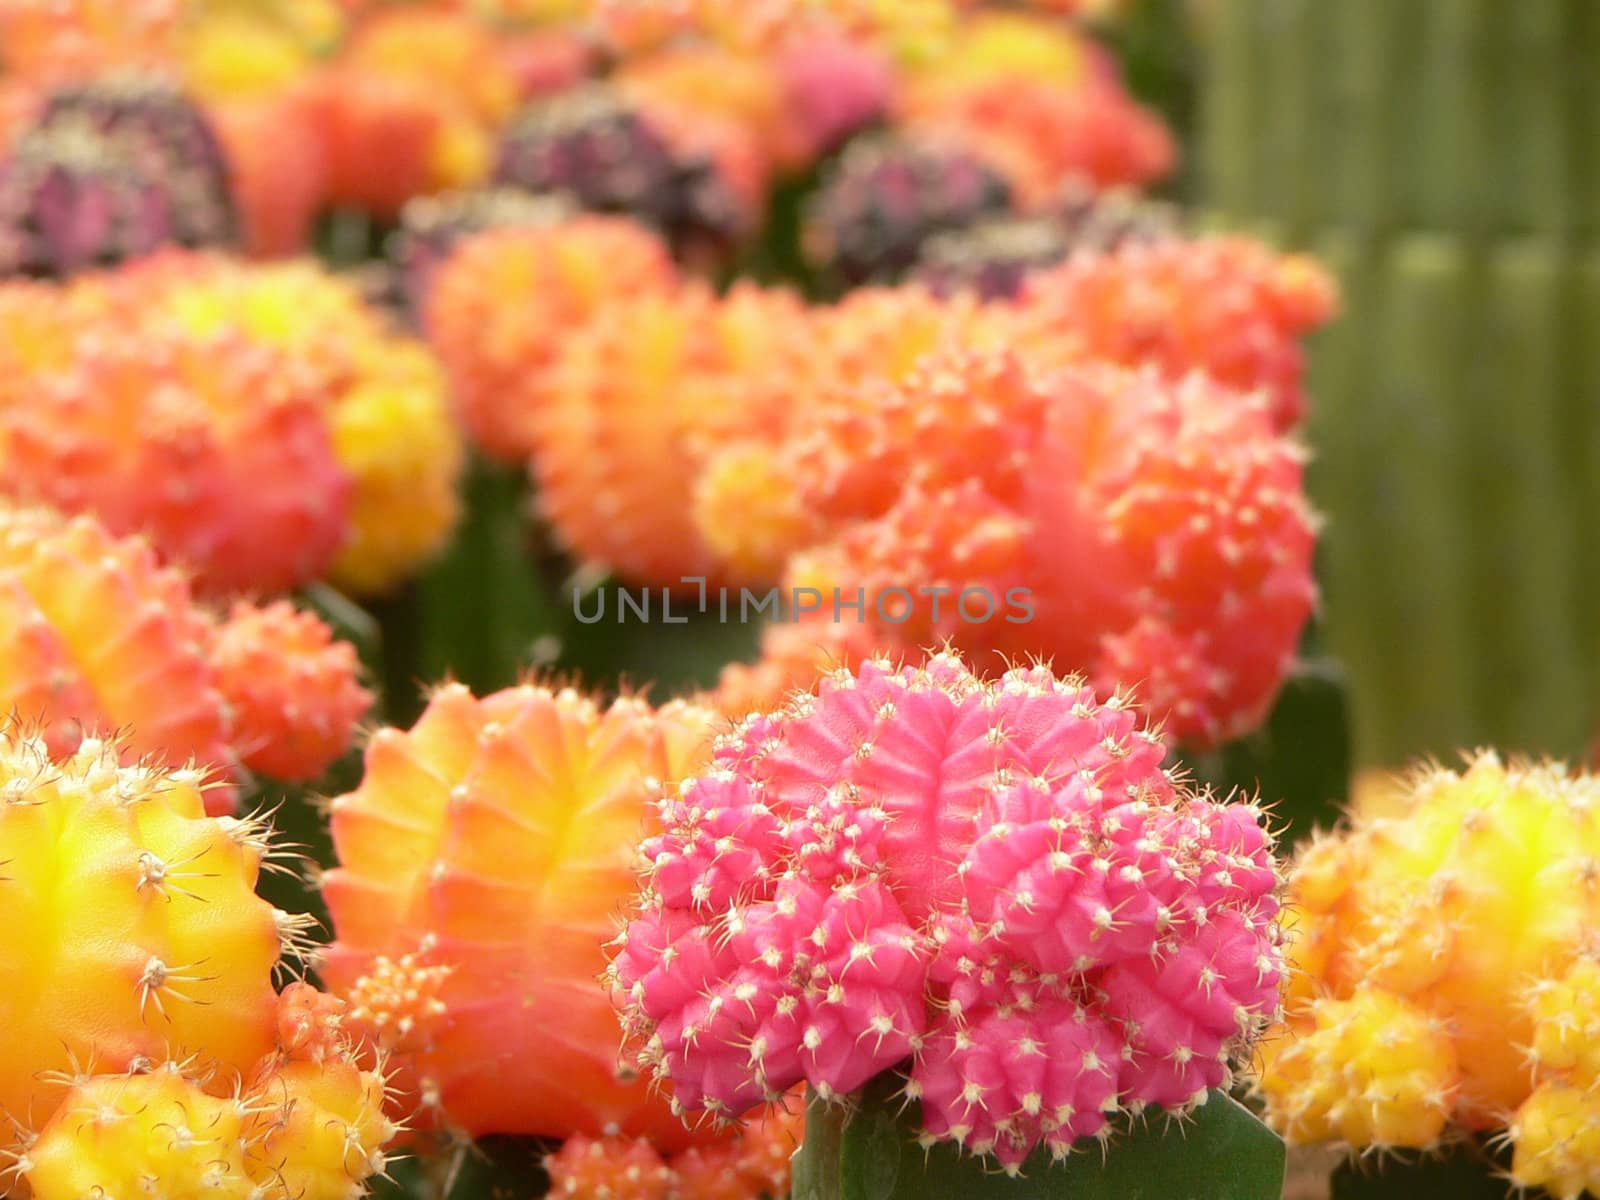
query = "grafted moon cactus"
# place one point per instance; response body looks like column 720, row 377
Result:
column 135, row 933
column 306, row 1123
column 483, row 860
column 992, row 888
column 98, row 638
column 1445, row 976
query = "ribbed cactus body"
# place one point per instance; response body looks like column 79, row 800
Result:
column 483, row 860
column 1439, row 157
column 134, row 929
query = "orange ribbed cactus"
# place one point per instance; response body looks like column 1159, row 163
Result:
column 449, row 51
column 214, row 446
column 502, row 306
column 292, row 689
column 640, row 400
column 1227, row 306
column 134, row 930
column 482, row 862
column 388, row 137
column 1153, row 535
column 96, row 638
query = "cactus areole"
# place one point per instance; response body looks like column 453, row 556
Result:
column 988, row 896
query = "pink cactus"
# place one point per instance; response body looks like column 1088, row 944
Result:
column 992, row 884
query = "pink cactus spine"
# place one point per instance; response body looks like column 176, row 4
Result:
column 992, row 884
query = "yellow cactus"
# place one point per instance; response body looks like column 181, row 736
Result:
column 1444, row 971
column 1373, row 1071
column 143, row 1135
column 133, row 929
column 1557, row 1138
column 299, row 1130
column 322, row 1129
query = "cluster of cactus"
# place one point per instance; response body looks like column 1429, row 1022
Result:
column 100, row 638
column 258, row 423
column 657, row 421
column 109, row 171
column 1443, row 974
column 150, row 1052
column 1043, row 104
column 593, row 147
column 992, row 887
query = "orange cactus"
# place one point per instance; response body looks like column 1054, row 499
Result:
column 213, row 446
column 501, row 307
column 389, row 137
column 609, row 1168
column 752, row 1162
column 291, row 689
column 99, row 638
column 277, row 172
column 1226, row 306
column 383, row 402
column 1153, row 535
column 445, row 50
column 639, row 401
column 482, row 861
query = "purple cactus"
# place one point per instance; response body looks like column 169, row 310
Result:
column 111, row 170
column 607, row 157
column 885, row 197
column 994, row 256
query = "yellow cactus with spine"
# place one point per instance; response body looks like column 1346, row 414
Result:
column 298, row 1127
column 134, row 930
column 1445, row 973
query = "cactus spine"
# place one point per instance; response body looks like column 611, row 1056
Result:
column 1439, row 157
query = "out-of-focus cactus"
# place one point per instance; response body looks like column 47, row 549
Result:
column 383, row 405
column 607, row 156
column 752, row 1165
column 215, row 446
column 994, row 256
column 504, row 306
column 166, row 135
column 430, row 227
column 1438, row 156
column 73, row 198
column 291, row 688
column 99, row 639
column 886, row 197
column 637, row 402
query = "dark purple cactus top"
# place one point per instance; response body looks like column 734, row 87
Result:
column 592, row 146
column 886, row 196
